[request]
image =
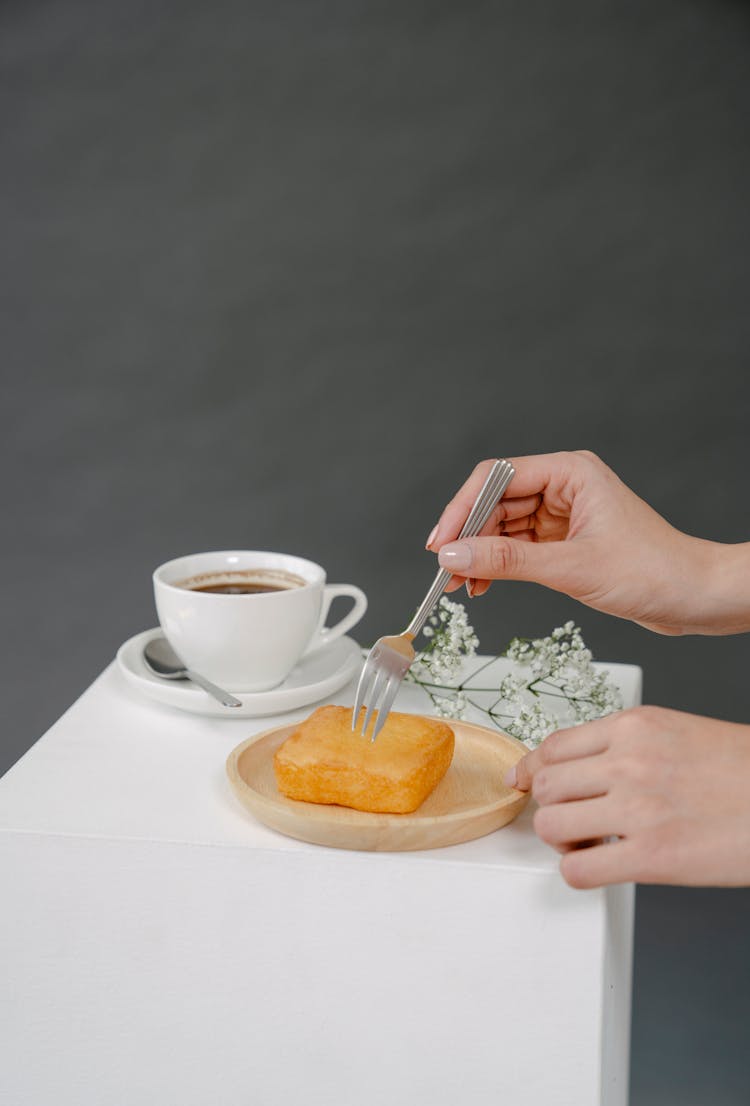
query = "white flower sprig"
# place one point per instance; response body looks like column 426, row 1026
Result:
column 557, row 668
column 452, row 642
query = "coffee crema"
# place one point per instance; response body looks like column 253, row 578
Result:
column 249, row 582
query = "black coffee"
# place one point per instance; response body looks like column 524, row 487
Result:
column 239, row 589
column 252, row 582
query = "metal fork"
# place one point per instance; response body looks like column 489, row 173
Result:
column 391, row 657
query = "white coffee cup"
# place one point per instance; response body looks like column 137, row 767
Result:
column 248, row 642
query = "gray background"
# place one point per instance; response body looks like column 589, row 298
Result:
column 276, row 275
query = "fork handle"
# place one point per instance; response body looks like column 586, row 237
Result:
column 493, row 489
column 429, row 601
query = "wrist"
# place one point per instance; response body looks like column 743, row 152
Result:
column 724, row 581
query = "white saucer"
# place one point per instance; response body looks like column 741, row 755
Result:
column 315, row 677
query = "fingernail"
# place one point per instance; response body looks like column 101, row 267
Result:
column 433, row 535
column 470, row 585
column 456, row 556
column 510, row 777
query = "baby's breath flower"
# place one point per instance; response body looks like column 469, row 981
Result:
column 532, row 724
column 510, row 687
column 451, row 642
column 553, row 683
column 450, row 707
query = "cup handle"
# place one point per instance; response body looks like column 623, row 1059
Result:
column 326, row 634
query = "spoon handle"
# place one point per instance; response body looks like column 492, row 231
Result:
column 223, row 697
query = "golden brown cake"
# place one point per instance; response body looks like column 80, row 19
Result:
column 323, row 761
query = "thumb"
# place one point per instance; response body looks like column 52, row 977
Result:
column 509, row 559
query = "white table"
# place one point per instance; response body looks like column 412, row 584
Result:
column 159, row 946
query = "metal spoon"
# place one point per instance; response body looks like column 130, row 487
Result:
column 161, row 658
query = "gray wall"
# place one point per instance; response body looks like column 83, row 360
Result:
column 275, row 275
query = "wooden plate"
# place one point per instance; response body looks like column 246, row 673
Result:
column 470, row 801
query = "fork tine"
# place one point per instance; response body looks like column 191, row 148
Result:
column 391, row 690
column 364, row 679
column 373, row 698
